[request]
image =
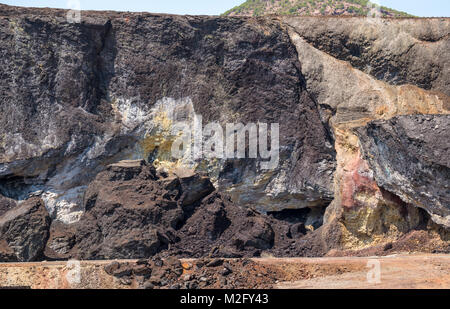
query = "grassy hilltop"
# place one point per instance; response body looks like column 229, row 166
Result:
column 313, row 8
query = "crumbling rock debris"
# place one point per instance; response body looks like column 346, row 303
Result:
column 230, row 274
column 170, row 274
column 133, row 211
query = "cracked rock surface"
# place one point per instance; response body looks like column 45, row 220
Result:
column 410, row 157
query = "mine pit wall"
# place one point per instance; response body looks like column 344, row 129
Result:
column 145, row 72
column 92, row 94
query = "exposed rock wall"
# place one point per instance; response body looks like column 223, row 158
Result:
column 76, row 99
column 340, row 61
column 112, row 87
column 410, row 158
column 397, row 51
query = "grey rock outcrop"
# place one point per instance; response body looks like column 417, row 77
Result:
column 410, row 157
column 397, row 51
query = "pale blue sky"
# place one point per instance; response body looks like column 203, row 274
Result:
column 423, row 8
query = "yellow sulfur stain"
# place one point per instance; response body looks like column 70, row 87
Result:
column 163, row 120
column 368, row 226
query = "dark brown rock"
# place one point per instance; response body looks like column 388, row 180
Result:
column 24, row 231
column 61, row 241
column 6, row 204
column 111, row 268
column 226, row 271
column 129, row 214
column 132, row 212
column 142, row 270
column 297, row 230
column 256, row 233
column 215, row 263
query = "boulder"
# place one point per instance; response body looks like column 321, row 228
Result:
column 24, row 231
column 131, row 212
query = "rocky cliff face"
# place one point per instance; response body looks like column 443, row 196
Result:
column 77, row 99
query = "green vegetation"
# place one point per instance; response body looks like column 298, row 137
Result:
column 313, row 7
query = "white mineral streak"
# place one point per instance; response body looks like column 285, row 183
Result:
column 4, row 169
column 17, row 147
column 132, row 113
column 65, row 206
column 278, row 184
column 63, row 194
column 98, row 148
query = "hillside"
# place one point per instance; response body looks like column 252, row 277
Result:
column 313, row 8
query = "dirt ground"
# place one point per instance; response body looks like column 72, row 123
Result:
column 398, row 271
